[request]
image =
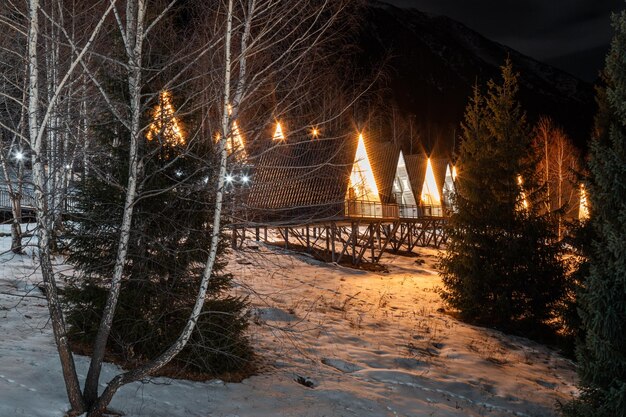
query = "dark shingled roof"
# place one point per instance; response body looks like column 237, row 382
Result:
column 384, row 160
column 439, row 169
column 416, row 168
column 299, row 181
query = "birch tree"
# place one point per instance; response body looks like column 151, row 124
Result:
column 12, row 123
column 558, row 168
column 262, row 45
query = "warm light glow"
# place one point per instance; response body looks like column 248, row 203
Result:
column 430, row 192
column 315, row 132
column 235, row 142
column 165, row 125
column 522, row 194
column 454, row 174
column 362, row 182
column 583, row 209
column 278, row 133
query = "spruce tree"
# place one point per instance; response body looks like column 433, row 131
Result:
column 602, row 355
column 170, row 235
column 502, row 265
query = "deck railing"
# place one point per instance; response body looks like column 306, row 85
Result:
column 27, row 201
column 377, row 210
column 432, row 211
column 410, row 212
column 371, row 209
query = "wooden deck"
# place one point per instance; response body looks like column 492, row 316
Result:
column 363, row 234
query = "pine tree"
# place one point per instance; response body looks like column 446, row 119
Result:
column 169, row 238
column 502, row 263
column 602, row 355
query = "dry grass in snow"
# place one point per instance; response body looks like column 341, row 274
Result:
column 334, row 341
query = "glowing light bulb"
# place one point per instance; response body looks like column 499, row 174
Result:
column 278, row 133
column 19, row 155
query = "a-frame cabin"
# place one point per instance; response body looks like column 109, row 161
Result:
column 402, row 190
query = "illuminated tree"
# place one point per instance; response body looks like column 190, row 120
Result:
column 165, row 126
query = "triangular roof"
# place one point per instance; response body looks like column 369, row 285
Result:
column 296, row 181
column 384, row 159
column 300, row 180
column 403, row 165
column 416, row 167
column 363, row 184
column 440, row 165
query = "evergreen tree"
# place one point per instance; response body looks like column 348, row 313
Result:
column 170, row 235
column 602, row 355
column 502, row 264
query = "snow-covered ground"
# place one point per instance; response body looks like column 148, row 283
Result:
column 370, row 344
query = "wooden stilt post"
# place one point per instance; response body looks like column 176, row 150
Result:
column 308, row 239
column 327, row 239
column 372, row 231
column 256, row 231
column 332, row 242
column 354, row 234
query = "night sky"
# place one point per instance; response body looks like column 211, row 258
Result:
column 573, row 35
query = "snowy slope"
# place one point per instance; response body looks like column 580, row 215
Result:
column 370, row 344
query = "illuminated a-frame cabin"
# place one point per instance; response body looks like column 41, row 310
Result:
column 348, row 177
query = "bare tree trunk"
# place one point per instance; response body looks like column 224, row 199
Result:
column 133, row 37
column 36, row 138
